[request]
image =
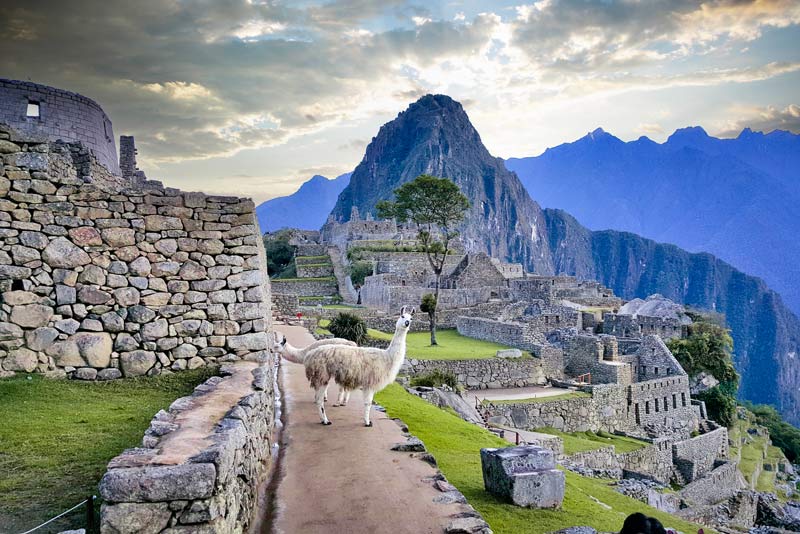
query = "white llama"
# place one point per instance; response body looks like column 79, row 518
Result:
column 293, row 354
column 366, row 368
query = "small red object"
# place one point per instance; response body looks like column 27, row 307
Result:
column 299, row 315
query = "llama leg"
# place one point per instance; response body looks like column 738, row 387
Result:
column 319, row 400
column 340, row 397
column 346, row 397
column 326, row 392
column 368, row 394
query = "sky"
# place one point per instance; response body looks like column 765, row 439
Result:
column 253, row 98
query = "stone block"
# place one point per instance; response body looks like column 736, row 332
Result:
column 135, row 518
column 137, row 362
column 158, row 484
column 524, row 475
column 31, row 315
column 64, row 254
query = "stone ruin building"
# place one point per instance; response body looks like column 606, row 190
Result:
column 105, row 275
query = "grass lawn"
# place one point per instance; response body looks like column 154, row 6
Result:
column 452, row 345
column 541, row 400
column 752, row 455
column 57, row 436
column 456, row 445
column 589, row 441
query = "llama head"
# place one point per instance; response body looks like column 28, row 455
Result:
column 278, row 342
column 406, row 315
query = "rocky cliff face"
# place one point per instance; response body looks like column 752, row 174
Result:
column 434, row 136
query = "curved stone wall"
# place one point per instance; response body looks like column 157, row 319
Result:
column 62, row 115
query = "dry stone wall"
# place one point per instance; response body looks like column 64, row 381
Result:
column 100, row 281
column 485, row 373
column 696, row 456
column 208, row 484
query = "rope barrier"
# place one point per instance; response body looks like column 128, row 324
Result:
column 62, row 514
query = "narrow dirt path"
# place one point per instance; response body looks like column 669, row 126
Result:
column 344, row 478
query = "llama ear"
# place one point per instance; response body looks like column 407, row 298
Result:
column 403, row 310
column 413, row 311
column 283, row 341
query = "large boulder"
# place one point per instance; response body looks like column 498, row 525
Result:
column 137, row 362
column 94, row 347
column 525, row 475
column 31, row 315
column 62, row 253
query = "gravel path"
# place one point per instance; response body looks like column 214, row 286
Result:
column 343, row 478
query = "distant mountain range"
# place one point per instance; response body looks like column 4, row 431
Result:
column 434, row 135
column 307, row 208
column 738, row 199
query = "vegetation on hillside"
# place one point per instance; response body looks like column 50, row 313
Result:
column 280, row 254
column 588, row 441
column 456, row 445
column 708, row 348
column 782, row 434
column 60, row 435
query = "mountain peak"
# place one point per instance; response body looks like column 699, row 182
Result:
column 689, row 134
column 435, row 136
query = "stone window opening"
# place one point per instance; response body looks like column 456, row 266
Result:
column 675, row 401
column 17, row 285
column 636, row 411
column 33, row 110
column 666, row 405
column 647, row 407
column 683, row 399
column 655, row 371
column 655, row 403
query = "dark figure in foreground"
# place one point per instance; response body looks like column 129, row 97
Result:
column 641, row 524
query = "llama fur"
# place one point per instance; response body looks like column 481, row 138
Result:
column 298, row 355
column 366, row 368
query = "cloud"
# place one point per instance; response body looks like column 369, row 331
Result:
column 650, row 128
column 203, row 79
column 575, row 34
column 763, row 119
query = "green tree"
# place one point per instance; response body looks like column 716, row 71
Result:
column 280, row 254
column 707, row 347
column 359, row 270
column 437, row 207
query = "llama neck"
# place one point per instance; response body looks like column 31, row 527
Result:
column 397, row 351
column 293, row 354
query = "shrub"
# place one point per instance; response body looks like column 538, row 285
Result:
column 349, row 326
column 435, row 379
